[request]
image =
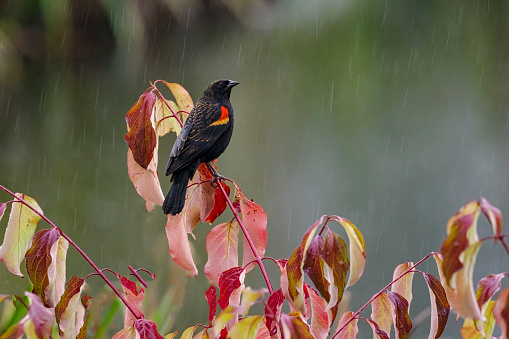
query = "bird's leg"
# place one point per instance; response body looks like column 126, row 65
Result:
column 216, row 177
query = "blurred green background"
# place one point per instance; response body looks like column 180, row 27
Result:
column 390, row 113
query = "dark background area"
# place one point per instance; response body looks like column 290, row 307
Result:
column 392, row 114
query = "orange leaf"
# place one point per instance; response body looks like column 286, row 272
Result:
column 182, row 97
column 381, row 312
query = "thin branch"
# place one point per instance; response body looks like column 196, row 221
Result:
column 246, row 234
column 356, row 314
column 91, row 263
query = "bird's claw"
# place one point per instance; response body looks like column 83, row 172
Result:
column 216, row 180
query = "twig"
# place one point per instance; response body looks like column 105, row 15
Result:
column 356, row 314
column 94, row 266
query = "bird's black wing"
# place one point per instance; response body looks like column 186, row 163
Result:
column 205, row 125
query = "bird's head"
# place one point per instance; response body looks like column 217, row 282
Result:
column 221, row 88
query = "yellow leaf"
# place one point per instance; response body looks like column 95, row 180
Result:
column 18, row 235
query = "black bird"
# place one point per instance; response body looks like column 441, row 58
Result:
column 204, row 136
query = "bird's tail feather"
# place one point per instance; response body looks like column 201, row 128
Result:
column 176, row 197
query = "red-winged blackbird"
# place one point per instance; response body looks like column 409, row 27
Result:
column 204, row 136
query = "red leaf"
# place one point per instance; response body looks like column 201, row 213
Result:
column 147, row 329
column 229, row 281
column 273, row 310
column 219, row 203
column 487, row 287
column 401, row 320
column 38, row 260
column 440, row 308
column 223, row 334
column 211, row 296
column 141, row 136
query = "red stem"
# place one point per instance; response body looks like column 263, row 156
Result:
column 356, row 314
column 241, row 224
column 248, row 238
column 99, row 272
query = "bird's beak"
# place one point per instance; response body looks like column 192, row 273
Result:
column 233, row 83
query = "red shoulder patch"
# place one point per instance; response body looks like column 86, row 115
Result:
column 224, row 117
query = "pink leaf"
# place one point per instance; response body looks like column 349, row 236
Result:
column 145, row 181
column 351, row 330
column 180, row 250
column 222, row 250
column 41, row 316
column 487, row 287
column 320, row 315
column 255, row 220
column 134, row 297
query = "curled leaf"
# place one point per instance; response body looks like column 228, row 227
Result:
column 357, row 249
column 38, row 261
column 18, row 235
column 439, row 306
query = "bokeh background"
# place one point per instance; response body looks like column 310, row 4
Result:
column 390, row 113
